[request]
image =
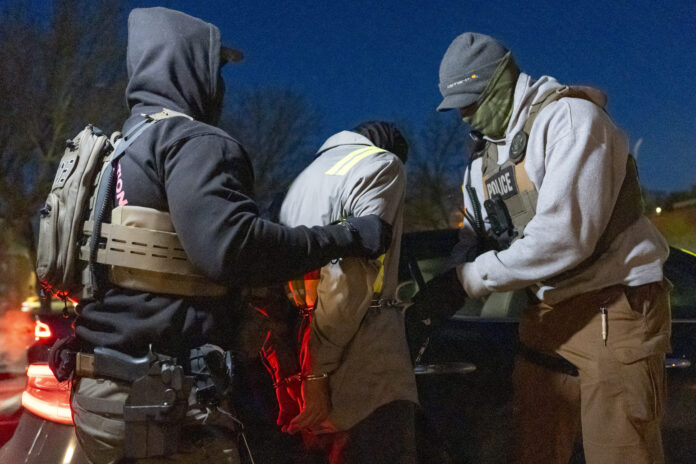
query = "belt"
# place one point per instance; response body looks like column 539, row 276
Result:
column 375, row 303
column 383, row 303
column 105, row 362
column 548, row 361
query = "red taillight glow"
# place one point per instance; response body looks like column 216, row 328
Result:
column 45, row 396
column 41, row 330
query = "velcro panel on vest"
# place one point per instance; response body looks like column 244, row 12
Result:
column 144, row 253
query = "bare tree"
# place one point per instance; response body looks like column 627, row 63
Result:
column 55, row 76
column 279, row 128
column 434, row 198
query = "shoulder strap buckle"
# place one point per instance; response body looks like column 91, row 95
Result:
column 164, row 114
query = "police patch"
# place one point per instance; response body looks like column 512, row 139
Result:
column 502, row 183
column 518, row 146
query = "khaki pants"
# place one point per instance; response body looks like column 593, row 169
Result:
column 101, row 436
column 616, row 400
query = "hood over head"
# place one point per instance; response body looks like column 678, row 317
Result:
column 173, row 61
column 384, row 135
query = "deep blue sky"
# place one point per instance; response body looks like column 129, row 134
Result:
column 379, row 59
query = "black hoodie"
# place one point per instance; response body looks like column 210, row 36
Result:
column 204, row 178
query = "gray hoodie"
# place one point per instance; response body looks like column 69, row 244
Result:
column 576, row 158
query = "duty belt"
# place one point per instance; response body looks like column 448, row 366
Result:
column 106, row 362
column 157, row 402
column 383, row 303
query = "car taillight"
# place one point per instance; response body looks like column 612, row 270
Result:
column 41, row 330
column 45, row 396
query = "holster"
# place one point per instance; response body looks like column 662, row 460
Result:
column 212, row 370
column 156, row 406
column 155, row 410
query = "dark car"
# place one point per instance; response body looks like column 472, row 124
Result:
column 464, row 380
column 472, row 412
column 16, row 334
column 42, row 430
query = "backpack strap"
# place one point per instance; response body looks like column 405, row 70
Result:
column 518, row 147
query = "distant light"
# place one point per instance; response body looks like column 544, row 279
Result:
column 41, row 330
column 658, row 210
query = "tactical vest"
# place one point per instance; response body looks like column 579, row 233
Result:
column 139, row 248
column 511, row 197
column 142, row 252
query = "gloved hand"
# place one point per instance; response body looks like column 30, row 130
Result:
column 371, row 235
column 437, row 301
column 61, row 357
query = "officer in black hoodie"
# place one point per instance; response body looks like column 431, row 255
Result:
column 203, row 178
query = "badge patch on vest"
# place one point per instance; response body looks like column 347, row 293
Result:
column 502, row 183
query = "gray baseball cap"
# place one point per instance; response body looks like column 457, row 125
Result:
column 466, row 68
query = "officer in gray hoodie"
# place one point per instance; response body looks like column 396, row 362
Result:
column 201, row 178
column 553, row 188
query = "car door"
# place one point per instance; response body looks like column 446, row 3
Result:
column 679, row 424
column 469, row 411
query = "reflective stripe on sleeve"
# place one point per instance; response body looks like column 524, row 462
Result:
column 350, row 160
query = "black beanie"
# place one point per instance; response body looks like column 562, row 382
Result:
column 384, row 135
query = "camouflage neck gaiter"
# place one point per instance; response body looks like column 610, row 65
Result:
column 495, row 108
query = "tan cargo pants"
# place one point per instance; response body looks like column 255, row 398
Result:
column 616, row 401
column 101, row 436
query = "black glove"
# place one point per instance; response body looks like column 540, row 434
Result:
column 436, row 302
column 61, row 357
column 467, row 248
column 371, row 235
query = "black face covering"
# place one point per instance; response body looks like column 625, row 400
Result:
column 385, row 135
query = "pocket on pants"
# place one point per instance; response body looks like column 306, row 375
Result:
column 639, row 323
column 643, row 384
column 623, row 406
column 101, row 438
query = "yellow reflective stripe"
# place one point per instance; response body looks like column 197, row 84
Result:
column 687, row 251
column 379, row 280
column 357, row 159
column 345, row 159
column 351, row 159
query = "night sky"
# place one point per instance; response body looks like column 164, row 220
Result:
column 356, row 60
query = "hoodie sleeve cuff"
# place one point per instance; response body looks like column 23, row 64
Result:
column 471, row 281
